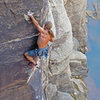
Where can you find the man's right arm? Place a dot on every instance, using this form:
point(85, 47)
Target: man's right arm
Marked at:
point(41, 30)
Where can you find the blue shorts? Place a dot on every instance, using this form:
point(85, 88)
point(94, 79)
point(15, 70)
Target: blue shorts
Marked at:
point(39, 52)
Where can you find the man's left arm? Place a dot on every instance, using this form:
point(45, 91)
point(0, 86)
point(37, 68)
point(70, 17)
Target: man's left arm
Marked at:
point(37, 24)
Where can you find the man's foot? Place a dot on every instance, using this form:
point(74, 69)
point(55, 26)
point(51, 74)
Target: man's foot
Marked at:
point(32, 64)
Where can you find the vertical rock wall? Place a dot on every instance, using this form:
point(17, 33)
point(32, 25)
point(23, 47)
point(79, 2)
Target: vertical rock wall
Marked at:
point(57, 81)
point(76, 10)
point(16, 37)
point(64, 73)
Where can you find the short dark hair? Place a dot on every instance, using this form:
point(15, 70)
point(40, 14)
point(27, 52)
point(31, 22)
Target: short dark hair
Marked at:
point(48, 25)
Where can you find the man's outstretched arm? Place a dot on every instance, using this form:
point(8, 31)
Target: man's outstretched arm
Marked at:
point(37, 24)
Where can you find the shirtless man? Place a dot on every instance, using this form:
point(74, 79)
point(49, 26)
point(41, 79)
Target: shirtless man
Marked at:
point(46, 35)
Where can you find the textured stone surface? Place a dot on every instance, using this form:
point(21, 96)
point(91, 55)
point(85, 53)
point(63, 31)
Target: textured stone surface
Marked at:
point(18, 90)
point(63, 44)
point(76, 10)
point(76, 44)
point(50, 91)
point(63, 96)
point(76, 55)
point(56, 73)
point(16, 37)
point(80, 84)
point(62, 81)
point(77, 70)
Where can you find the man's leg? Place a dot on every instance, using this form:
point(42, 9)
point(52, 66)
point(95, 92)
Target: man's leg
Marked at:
point(36, 59)
point(29, 58)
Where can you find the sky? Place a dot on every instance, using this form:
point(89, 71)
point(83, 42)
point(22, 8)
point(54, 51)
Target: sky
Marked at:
point(94, 91)
point(93, 56)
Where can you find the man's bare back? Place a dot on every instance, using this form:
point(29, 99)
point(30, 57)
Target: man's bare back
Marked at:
point(43, 40)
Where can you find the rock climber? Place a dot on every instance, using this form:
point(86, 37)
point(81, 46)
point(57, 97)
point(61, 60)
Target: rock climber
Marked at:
point(46, 35)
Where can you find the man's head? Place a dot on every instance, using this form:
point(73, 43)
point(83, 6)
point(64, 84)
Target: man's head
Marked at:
point(48, 25)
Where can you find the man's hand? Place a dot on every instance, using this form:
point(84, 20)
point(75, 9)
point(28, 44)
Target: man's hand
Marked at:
point(30, 13)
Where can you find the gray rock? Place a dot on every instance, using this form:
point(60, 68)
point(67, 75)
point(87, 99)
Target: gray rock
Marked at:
point(50, 91)
point(76, 55)
point(77, 69)
point(56, 67)
point(79, 95)
point(62, 81)
point(76, 44)
point(61, 50)
point(76, 10)
point(78, 63)
point(62, 23)
point(81, 85)
point(17, 37)
point(63, 44)
point(65, 1)
point(63, 96)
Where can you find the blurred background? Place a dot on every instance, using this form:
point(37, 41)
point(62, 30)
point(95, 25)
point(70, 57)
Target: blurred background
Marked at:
point(93, 55)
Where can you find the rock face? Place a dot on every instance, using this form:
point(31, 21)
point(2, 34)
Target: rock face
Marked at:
point(65, 69)
point(58, 82)
point(76, 10)
point(16, 37)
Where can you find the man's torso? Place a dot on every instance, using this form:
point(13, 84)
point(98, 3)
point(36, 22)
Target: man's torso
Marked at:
point(43, 40)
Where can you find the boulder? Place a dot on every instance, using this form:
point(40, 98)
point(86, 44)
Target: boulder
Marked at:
point(77, 69)
point(62, 82)
point(50, 91)
point(78, 64)
point(63, 96)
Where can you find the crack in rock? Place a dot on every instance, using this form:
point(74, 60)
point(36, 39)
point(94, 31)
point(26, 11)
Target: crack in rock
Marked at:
point(19, 39)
